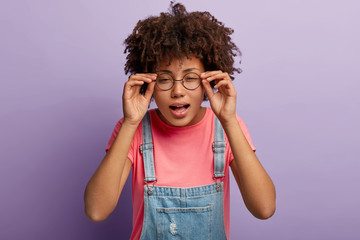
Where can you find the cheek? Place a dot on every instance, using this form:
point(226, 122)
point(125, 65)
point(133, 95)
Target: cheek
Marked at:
point(198, 97)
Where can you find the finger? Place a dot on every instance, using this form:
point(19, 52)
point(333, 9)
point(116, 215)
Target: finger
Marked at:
point(150, 75)
point(225, 83)
point(131, 88)
point(130, 84)
point(205, 75)
point(208, 90)
point(143, 77)
point(149, 91)
point(140, 78)
point(219, 76)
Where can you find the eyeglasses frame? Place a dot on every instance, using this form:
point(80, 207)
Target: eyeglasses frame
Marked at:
point(180, 80)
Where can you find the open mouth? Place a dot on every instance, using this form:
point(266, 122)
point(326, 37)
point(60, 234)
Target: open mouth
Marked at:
point(180, 108)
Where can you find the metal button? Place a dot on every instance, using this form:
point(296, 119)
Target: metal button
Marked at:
point(150, 191)
point(218, 187)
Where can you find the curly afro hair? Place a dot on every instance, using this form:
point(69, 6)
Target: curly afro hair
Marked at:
point(180, 33)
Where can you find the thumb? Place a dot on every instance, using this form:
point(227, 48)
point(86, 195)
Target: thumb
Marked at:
point(209, 91)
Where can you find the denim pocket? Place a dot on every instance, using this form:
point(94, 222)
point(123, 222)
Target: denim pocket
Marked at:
point(184, 223)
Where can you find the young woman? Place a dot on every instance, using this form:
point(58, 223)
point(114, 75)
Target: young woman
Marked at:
point(180, 153)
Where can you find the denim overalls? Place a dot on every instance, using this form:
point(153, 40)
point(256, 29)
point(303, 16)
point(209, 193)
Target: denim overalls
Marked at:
point(183, 213)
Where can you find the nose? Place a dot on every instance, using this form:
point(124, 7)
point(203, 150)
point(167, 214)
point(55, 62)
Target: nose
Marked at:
point(178, 89)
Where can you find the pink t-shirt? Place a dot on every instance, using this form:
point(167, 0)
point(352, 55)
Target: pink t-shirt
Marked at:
point(183, 157)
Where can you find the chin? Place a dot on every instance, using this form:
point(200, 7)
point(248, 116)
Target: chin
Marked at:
point(178, 122)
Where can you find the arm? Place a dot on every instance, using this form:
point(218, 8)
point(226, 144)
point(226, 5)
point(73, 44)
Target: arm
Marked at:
point(255, 185)
point(104, 188)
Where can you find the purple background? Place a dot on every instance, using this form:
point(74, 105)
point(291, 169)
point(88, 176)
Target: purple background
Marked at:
point(61, 71)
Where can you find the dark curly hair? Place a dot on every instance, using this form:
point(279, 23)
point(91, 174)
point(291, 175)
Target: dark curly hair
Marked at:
point(179, 33)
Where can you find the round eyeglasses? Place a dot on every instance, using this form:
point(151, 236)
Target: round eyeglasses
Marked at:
point(190, 81)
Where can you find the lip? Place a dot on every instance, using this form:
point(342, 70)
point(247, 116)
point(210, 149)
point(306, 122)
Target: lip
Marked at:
point(179, 103)
point(179, 114)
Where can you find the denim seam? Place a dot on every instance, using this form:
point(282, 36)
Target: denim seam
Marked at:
point(191, 197)
point(208, 208)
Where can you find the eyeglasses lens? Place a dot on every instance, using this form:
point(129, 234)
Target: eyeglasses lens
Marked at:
point(190, 81)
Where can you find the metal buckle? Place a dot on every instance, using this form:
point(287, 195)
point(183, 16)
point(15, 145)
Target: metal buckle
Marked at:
point(150, 190)
point(218, 145)
point(218, 185)
point(145, 146)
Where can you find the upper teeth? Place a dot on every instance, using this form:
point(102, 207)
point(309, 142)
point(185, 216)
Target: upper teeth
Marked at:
point(179, 106)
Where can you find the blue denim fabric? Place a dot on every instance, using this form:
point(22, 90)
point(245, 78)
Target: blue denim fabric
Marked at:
point(183, 213)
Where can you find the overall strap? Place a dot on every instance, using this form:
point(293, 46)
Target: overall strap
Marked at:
point(147, 150)
point(219, 149)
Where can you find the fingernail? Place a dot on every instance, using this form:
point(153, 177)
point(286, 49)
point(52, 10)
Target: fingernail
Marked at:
point(203, 74)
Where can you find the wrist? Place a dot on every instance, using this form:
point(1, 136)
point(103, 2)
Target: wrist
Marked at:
point(131, 124)
point(229, 123)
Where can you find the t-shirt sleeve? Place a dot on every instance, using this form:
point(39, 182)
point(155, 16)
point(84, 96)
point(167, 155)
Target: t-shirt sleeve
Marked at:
point(246, 134)
point(112, 139)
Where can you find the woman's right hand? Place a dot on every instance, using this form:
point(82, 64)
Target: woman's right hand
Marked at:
point(135, 105)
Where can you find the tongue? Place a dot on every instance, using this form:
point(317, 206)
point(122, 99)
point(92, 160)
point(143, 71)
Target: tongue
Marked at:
point(179, 109)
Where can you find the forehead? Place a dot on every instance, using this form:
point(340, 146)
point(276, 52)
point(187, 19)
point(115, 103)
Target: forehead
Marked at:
point(179, 65)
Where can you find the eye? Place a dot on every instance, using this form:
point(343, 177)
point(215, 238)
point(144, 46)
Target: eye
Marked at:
point(191, 77)
point(164, 78)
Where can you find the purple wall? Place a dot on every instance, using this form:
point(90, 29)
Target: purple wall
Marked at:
point(61, 72)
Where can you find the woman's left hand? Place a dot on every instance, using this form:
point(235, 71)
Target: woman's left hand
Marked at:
point(223, 101)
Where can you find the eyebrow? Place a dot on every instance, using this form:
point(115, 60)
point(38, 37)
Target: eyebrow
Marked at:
point(184, 71)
